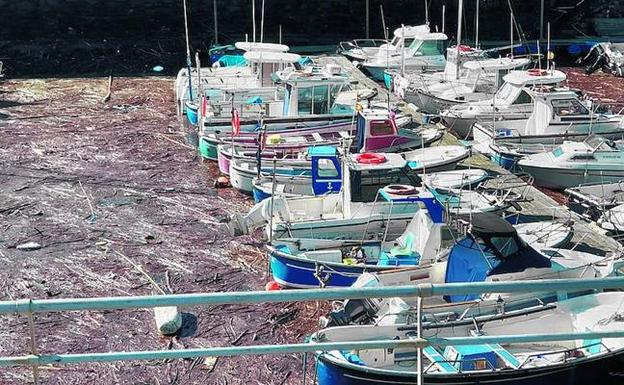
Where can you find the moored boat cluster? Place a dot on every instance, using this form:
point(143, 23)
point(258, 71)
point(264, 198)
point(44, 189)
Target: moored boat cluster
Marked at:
point(352, 190)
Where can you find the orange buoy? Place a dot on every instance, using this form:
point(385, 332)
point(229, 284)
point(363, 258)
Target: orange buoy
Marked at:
point(222, 181)
point(400, 189)
point(370, 158)
point(272, 286)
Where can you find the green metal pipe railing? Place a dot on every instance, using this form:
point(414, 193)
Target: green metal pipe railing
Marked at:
point(254, 297)
point(38, 360)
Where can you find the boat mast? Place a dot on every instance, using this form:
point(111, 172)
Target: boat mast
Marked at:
point(426, 13)
point(477, 26)
point(443, 18)
point(511, 33)
point(262, 24)
point(216, 29)
point(253, 16)
point(383, 22)
point(188, 51)
point(460, 11)
point(368, 19)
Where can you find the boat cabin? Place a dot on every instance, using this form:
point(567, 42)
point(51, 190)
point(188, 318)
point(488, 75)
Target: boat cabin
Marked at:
point(517, 86)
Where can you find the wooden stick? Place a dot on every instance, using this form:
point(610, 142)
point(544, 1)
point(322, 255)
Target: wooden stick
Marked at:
point(110, 84)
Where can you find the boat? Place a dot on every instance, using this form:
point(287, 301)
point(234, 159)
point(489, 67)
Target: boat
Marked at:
point(312, 98)
point(558, 115)
point(481, 80)
point(574, 362)
point(359, 50)
point(375, 130)
point(424, 53)
point(590, 200)
point(492, 249)
point(512, 101)
point(595, 160)
point(309, 263)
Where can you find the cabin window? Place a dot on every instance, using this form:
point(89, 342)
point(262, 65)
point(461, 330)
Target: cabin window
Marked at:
point(523, 98)
point(319, 100)
point(305, 100)
point(583, 157)
point(504, 92)
point(557, 152)
point(408, 42)
point(506, 246)
point(569, 107)
point(432, 47)
point(381, 128)
point(327, 168)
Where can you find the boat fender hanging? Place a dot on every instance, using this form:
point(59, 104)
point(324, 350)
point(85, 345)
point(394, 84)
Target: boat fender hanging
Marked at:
point(370, 158)
point(536, 72)
point(400, 189)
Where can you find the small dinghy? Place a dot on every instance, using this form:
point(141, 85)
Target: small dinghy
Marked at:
point(546, 234)
point(455, 179)
point(574, 362)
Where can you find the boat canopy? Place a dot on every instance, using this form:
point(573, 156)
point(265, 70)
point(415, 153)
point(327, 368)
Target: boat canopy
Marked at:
point(266, 47)
point(532, 77)
point(490, 65)
point(271, 57)
point(492, 248)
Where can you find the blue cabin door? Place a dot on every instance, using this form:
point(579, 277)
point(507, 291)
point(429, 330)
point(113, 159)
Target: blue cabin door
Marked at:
point(361, 133)
point(326, 175)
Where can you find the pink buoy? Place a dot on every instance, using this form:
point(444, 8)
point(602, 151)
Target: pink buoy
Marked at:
point(272, 286)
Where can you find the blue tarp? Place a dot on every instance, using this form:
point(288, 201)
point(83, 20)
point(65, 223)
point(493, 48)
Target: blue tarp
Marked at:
point(466, 263)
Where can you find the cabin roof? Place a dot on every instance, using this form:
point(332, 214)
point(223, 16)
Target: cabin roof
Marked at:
point(522, 78)
point(266, 47)
point(496, 64)
point(322, 151)
point(393, 161)
point(490, 224)
point(410, 31)
point(271, 57)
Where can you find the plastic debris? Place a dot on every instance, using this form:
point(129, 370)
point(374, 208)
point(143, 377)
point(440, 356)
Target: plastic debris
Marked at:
point(29, 246)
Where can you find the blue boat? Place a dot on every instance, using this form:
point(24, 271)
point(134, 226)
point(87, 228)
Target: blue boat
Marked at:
point(579, 362)
point(192, 115)
point(309, 263)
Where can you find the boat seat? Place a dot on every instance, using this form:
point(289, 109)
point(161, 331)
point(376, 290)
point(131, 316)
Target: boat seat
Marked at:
point(504, 354)
point(438, 360)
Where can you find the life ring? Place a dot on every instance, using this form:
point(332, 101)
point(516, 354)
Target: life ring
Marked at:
point(464, 48)
point(400, 189)
point(536, 72)
point(370, 158)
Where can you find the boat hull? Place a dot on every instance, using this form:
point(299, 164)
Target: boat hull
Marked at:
point(604, 370)
point(559, 179)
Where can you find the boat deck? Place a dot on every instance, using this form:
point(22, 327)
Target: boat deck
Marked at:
point(539, 204)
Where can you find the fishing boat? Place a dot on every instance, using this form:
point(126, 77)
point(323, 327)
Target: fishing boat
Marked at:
point(312, 98)
point(215, 81)
point(558, 115)
point(425, 53)
point(309, 263)
point(512, 101)
point(481, 80)
point(591, 200)
point(491, 250)
point(576, 362)
point(375, 130)
point(594, 160)
point(359, 50)
point(365, 179)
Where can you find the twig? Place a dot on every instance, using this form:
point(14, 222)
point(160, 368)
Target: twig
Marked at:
point(110, 84)
point(140, 269)
point(88, 200)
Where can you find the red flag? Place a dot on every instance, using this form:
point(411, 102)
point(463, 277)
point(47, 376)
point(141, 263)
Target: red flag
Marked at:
point(204, 105)
point(235, 122)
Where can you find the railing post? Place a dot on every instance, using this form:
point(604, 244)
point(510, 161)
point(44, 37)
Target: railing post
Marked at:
point(33, 342)
point(419, 372)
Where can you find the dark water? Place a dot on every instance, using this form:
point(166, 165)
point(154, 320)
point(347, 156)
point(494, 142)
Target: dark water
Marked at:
point(69, 37)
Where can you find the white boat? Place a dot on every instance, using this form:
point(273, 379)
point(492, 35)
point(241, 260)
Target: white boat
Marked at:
point(480, 80)
point(558, 115)
point(454, 179)
point(513, 101)
point(425, 53)
point(594, 160)
point(360, 50)
point(581, 361)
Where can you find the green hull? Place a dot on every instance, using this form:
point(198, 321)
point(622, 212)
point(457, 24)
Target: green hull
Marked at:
point(207, 150)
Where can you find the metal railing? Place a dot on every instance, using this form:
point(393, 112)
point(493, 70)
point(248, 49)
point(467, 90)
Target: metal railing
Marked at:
point(31, 307)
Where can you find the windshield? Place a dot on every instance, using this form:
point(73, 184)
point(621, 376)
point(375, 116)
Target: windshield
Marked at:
point(506, 246)
point(505, 92)
point(432, 47)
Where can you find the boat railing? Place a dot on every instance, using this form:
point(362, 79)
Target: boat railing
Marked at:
point(30, 308)
point(568, 354)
